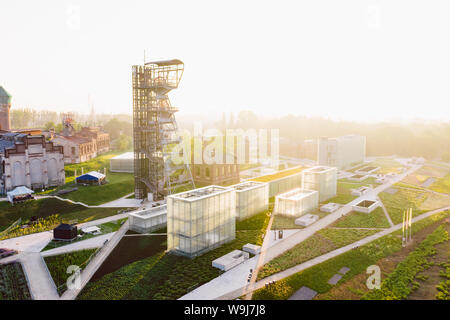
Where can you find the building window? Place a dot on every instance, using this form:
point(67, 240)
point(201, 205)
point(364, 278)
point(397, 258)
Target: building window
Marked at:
point(73, 150)
point(197, 171)
point(207, 172)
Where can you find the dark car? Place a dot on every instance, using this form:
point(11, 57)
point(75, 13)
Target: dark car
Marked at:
point(6, 252)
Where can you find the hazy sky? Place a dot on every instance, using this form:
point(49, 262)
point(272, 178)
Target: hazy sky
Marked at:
point(339, 59)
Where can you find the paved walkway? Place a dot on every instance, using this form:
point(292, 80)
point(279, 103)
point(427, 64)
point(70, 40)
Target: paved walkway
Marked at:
point(40, 283)
point(236, 278)
point(388, 217)
point(91, 243)
point(30, 243)
point(96, 262)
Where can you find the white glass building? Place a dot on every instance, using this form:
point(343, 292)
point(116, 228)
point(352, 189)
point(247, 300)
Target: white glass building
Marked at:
point(341, 152)
point(284, 184)
point(251, 198)
point(148, 220)
point(122, 163)
point(296, 202)
point(201, 219)
point(322, 179)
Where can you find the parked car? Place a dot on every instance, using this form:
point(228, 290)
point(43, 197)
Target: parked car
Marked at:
point(6, 252)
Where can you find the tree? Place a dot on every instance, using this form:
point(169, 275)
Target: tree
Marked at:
point(122, 143)
point(116, 127)
point(49, 125)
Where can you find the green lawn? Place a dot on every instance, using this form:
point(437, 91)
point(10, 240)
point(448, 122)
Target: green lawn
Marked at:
point(386, 165)
point(357, 260)
point(323, 241)
point(57, 265)
point(119, 184)
point(167, 276)
point(13, 284)
point(283, 222)
point(278, 175)
point(105, 228)
point(403, 199)
point(442, 185)
point(45, 208)
point(375, 219)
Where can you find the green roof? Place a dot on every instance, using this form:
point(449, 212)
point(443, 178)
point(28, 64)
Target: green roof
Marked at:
point(5, 97)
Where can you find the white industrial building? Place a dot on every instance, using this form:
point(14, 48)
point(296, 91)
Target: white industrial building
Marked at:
point(200, 220)
point(147, 220)
point(366, 206)
point(306, 220)
point(296, 202)
point(322, 179)
point(341, 152)
point(122, 163)
point(230, 260)
point(284, 184)
point(29, 161)
point(251, 198)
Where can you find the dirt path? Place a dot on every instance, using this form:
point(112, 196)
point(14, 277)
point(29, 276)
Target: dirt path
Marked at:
point(354, 288)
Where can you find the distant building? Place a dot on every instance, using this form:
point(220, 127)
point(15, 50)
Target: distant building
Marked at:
point(214, 173)
point(308, 149)
point(342, 152)
point(29, 161)
point(217, 174)
point(83, 145)
point(5, 106)
point(322, 179)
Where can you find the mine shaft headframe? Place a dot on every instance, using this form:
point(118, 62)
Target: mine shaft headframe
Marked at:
point(166, 72)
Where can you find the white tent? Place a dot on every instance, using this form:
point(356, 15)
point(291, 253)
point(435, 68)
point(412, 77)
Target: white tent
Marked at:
point(18, 191)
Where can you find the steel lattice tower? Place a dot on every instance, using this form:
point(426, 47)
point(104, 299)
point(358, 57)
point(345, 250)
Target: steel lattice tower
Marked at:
point(155, 128)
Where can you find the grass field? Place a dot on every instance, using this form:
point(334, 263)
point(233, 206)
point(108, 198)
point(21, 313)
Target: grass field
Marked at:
point(160, 275)
point(387, 166)
point(442, 185)
point(283, 222)
point(440, 174)
point(278, 175)
point(57, 265)
point(44, 208)
point(119, 184)
point(400, 283)
point(13, 284)
point(323, 241)
point(420, 201)
point(105, 228)
point(375, 219)
point(357, 260)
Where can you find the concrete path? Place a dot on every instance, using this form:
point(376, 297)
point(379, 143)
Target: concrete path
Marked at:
point(30, 243)
point(122, 203)
point(103, 220)
point(40, 282)
point(96, 262)
point(236, 278)
point(91, 243)
point(322, 258)
point(388, 217)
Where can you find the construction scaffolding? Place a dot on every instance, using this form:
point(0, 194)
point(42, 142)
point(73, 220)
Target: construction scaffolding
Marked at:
point(155, 130)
